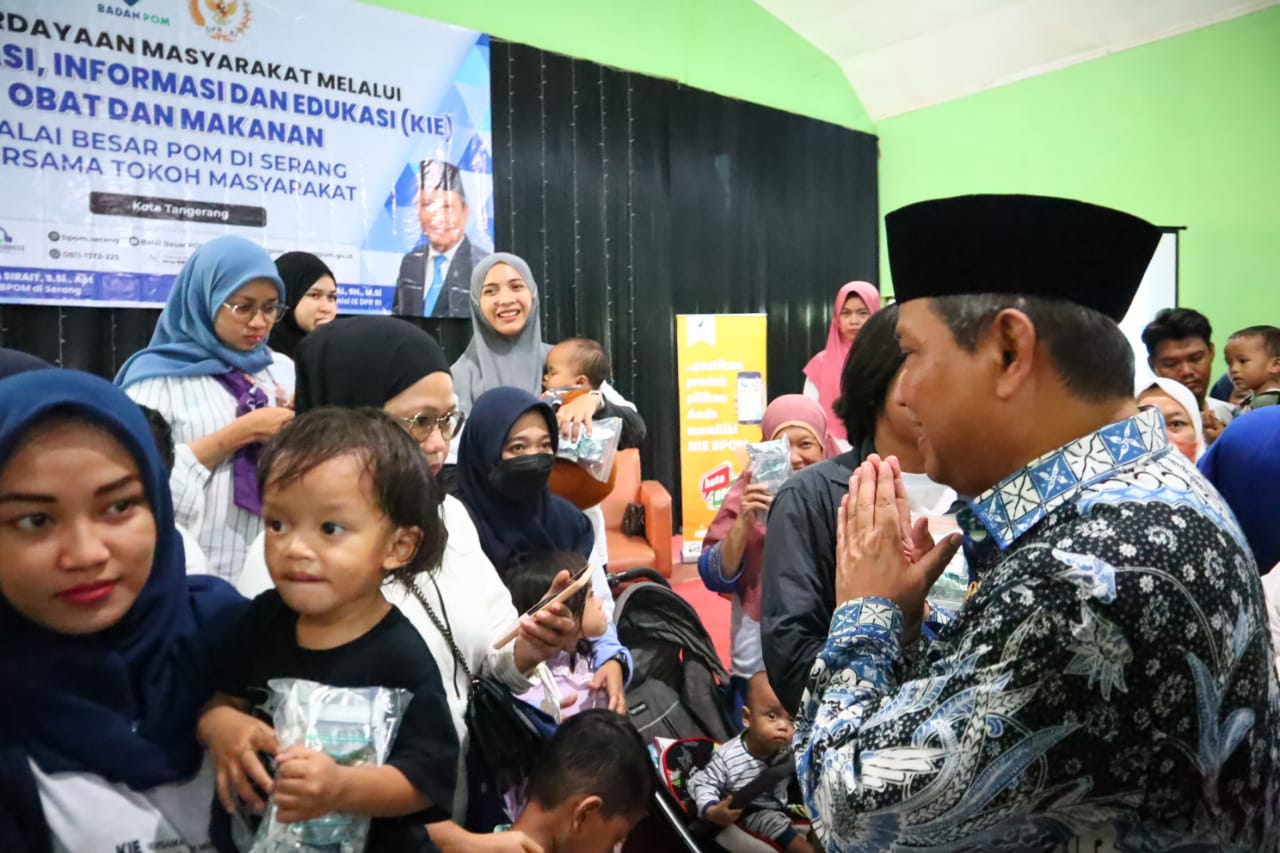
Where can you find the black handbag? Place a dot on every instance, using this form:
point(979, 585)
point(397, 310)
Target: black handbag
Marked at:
point(633, 520)
point(507, 734)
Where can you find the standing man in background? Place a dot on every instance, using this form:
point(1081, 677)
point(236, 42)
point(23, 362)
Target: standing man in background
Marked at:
point(1179, 345)
point(435, 278)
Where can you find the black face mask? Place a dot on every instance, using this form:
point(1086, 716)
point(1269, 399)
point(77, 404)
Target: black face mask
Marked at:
point(521, 478)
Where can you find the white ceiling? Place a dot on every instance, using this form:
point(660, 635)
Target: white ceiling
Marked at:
point(902, 55)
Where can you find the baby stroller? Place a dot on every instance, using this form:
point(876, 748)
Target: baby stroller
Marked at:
point(679, 702)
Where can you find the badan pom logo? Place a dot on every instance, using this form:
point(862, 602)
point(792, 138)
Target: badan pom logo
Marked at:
point(222, 20)
point(715, 485)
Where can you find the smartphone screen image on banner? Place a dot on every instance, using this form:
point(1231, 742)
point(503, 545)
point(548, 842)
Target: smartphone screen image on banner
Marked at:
point(750, 397)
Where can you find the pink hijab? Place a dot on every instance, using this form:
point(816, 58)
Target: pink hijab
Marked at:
point(786, 411)
point(824, 369)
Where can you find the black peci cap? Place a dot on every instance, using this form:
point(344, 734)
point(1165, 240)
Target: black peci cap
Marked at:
point(440, 175)
point(1056, 248)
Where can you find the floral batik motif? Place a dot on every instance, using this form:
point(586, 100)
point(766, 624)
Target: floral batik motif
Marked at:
point(1108, 685)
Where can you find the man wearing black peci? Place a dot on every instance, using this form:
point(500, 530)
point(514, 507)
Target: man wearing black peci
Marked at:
point(435, 278)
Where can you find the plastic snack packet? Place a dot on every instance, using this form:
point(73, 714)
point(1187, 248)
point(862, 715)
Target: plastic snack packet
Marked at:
point(770, 462)
point(353, 725)
point(596, 452)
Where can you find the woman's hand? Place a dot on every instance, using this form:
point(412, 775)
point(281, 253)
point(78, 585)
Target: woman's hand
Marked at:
point(261, 424)
point(546, 633)
point(576, 414)
point(234, 740)
point(609, 678)
point(756, 500)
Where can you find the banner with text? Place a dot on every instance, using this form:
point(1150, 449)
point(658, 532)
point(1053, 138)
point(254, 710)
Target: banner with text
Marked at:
point(720, 360)
point(133, 131)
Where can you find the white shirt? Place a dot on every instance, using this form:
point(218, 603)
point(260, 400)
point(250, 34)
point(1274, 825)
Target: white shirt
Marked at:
point(476, 605)
point(203, 500)
point(88, 814)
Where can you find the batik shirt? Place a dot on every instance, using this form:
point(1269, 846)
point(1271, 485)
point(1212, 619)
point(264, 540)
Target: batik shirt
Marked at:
point(1107, 685)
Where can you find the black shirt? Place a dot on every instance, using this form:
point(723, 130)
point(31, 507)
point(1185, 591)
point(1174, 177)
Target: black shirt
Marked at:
point(392, 654)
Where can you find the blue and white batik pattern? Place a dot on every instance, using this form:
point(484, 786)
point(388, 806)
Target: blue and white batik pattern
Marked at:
point(1108, 685)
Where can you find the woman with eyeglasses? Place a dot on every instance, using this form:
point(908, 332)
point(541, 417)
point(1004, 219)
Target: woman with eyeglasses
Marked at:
point(312, 294)
point(209, 371)
point(464, 609)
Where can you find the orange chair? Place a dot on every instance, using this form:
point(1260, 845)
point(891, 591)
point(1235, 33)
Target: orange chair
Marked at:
point(630, 552)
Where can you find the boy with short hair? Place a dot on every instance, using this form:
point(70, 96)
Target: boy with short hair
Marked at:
point(591, 787)
point(581, 363)
point(1253, 362)
point(765, 740)
point(349, 504)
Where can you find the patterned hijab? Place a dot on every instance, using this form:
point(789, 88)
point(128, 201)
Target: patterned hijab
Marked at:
point(824, 369)
point(184, 342)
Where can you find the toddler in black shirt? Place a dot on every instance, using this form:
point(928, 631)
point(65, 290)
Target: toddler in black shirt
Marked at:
point(348, 504)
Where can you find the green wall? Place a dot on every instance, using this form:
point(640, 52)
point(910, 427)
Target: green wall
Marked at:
point(1184, 131)
point(731, 47)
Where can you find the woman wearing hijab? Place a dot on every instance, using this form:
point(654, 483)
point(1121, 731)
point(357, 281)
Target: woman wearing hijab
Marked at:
point(1244, 466)
point(504, 462)
point(1181, 414)
point(733, 550)
point(855, 303)
point(106, 639)
point(311, 292)
point(464, 608)
point(13, 362)
point(209, 372)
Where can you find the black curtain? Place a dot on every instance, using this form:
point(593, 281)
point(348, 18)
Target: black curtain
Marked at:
point(633, 199)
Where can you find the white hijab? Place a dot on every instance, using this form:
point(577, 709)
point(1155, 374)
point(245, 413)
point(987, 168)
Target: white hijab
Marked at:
point(1184, 398)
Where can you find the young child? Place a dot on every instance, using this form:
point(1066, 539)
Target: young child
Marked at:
point(349, 504)
point(578, 363)
point(1253, 362)
point(765, 739)
point(563, 684)
point(591, 787)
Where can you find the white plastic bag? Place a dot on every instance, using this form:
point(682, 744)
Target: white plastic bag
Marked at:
point(596, 452)
point(770, 463)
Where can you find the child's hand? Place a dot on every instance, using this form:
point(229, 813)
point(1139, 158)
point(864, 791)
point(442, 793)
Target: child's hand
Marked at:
point(575, 415)
point(609, 678)
point(722, 814)
point(308, 785)
point(234, 740)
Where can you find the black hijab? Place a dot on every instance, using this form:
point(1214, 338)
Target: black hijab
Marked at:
point(509, 527)
point(298, 271)
point(364, 361)
point(14, 361)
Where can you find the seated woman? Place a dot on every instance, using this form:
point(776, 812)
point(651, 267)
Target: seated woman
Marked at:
point(733, 549)
point(798, 596)
point(209, 372)
point(504, 462)
point(462, 609)
point(106, 639)
point(1181, 415)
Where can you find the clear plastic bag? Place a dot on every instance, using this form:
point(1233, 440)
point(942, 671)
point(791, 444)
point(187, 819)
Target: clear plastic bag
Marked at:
point(597, 452)
point(770, 463)
point(353, 725)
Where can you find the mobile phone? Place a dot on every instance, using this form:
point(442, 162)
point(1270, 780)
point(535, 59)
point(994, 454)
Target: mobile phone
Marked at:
point(750, 397)
point(580, 578)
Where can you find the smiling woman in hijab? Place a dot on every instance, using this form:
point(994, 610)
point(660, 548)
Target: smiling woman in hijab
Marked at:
point(464, 608)
point(733, 549)
point(106, 639)
point(504, 462)
point(209, 372)
point(311, 292)
point(855, 303)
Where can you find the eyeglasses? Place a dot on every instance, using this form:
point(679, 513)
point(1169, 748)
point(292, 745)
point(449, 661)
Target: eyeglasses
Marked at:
point(421, 425)
point(244, 313)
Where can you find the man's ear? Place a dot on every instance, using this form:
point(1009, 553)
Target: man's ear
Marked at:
point(588, 807)
point(404, 545)
point(1014, 337)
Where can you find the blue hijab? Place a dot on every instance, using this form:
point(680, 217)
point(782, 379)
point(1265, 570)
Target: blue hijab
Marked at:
point(1244, 465)
point(184, 343)
point(509, 528)
point(122, 703)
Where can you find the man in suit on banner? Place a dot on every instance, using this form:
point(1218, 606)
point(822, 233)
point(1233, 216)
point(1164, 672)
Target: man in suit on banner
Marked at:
point(435, 278)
